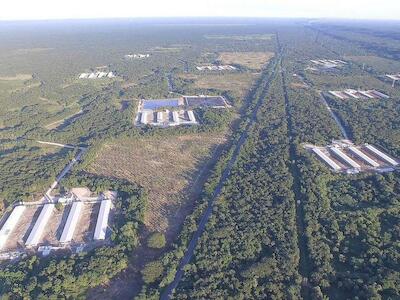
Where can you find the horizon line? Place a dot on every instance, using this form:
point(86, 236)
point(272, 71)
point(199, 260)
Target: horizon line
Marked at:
point(198, 17)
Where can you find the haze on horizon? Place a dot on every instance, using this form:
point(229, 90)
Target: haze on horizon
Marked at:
point(88, 9)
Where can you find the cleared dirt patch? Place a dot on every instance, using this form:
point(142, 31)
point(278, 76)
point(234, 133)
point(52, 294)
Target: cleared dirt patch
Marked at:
point(55, 226)
point(23, 228)
point(21, 77)
point(32, 50)
point(167, 167)
point(87, 222)
point(252, 60)
point(298, 85)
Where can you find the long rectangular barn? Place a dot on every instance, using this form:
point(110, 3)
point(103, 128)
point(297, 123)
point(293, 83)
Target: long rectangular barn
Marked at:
point(37, 231)
point(10, 224)
point(102, 220)
point(72, 221)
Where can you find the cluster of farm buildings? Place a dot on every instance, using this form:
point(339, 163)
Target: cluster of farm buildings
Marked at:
point(46, 226)
point(344, 156)
point(358, 94)
point(328, 63)
point(216, 68)
point(97, 75)
point(393, 76)
point(175, 111)
point(134, 56)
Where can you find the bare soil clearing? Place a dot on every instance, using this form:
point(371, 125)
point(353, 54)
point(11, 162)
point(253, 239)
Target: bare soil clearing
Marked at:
point(167, 167)
point(19, 77)
point(252, 60)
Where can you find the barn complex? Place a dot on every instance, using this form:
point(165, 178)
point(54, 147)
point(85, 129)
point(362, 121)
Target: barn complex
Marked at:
point(358, 94)
point(344, 156)
point(216, 68)
point(328, 63)
point(393, 76)
point(80, 223)
point(175, 111)
point(96, 75)
point(136, 56)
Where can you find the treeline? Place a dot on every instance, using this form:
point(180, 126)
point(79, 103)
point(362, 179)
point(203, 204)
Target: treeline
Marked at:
point(70, 276)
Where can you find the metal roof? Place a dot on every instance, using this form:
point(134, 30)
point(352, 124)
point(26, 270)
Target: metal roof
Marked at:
point(102, 220)
point(72, 221)
point(38, 228)
point(10, 224)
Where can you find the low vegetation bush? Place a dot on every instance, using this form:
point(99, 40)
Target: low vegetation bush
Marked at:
point(156, 240)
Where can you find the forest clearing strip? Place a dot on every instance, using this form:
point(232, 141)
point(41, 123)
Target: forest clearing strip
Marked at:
point(304, 264)
point(237, 147)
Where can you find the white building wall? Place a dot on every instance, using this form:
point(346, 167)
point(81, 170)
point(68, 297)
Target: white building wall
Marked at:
point(345, 157)
point(10, 224)
point(160, 117)
point(102, 220)
point(37, 231)
point(327, 159)
point(143, 119)
point(175, 117)
point(382, 155)
point(72, 221)
point(336, 94)
point(191, 116)
point(363, 156)
point(379, 94)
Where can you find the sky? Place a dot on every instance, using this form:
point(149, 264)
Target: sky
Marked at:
point(87, 9)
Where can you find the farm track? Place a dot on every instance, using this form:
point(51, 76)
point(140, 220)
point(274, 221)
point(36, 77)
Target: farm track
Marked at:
point(304, 263)
point(237, 147)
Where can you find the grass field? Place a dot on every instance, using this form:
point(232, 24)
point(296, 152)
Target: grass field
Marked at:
point(168, 168)
point(251, 60)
